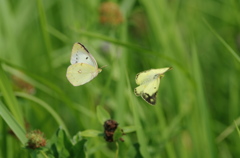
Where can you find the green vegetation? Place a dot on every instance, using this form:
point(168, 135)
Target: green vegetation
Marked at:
point(197, 114)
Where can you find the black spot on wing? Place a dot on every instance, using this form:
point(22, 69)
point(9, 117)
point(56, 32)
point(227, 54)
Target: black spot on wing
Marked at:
point(76, 58)
point(135, 92)
point(137, 76)
point(150, 99)
point(86, 57)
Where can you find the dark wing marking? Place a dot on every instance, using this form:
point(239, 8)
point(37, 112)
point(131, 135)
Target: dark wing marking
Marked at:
point(150, 99)
point(83, 47)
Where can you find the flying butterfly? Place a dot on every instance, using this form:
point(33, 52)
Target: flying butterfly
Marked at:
point(83, 66)
point(149, 82)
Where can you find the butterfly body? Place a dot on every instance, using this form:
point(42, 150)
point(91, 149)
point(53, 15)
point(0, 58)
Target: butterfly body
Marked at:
point(83, 66)
point(149, 82)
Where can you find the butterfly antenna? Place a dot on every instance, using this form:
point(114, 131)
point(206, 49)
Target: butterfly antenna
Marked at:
point(103, 66)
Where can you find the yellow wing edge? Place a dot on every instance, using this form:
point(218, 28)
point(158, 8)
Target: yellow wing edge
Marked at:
point(167, 69)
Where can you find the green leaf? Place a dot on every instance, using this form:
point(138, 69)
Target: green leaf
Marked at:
point(40, 153)
point(78, 149)
point(76, 138)
point(102, 114)
point(117, 134)
point(91, 133)
point(61, 145)
point(137, 148)
point(129, 129)
point(35, 154)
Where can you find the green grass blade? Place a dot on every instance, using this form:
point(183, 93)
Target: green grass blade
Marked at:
point(46, 107)
point(141, 49)
point(236, 126)
point(57, 34)
point(10, 99)
point(201, 120)
point(234, 54)
point(129, 45)
point(112, 40)
point(228, 131)
point(47, 41)
point(137, 122)
point(12, 123)
point(37, 81)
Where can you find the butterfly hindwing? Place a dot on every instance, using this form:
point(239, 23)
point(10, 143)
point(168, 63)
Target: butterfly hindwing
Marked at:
point(148, 91)
point(80, 73)
point(138, 90)
point(150, 99)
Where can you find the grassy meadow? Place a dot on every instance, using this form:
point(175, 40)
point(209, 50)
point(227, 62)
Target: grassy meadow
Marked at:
point(197, 114)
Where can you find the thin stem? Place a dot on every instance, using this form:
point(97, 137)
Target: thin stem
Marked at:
point(117, 149)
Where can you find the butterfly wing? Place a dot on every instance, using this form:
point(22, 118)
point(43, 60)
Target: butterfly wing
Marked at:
point(139, 90)
point(148, 91)
point(149, 82)
point(81, 73)
point(149, 75)
point(81, 55)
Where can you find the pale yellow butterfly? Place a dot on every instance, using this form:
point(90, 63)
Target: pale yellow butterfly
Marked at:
point(83, 66)
point(149, 82)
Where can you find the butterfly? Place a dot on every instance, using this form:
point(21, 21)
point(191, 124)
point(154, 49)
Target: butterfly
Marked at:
point(149, 82)
point(83, 66)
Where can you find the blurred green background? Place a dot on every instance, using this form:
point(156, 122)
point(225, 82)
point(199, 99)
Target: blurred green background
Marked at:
point(198, 106)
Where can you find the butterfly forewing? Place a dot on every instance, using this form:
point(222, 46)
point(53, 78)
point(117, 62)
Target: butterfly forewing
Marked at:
point(81, 55)
point(149, 75)
point(81, 73)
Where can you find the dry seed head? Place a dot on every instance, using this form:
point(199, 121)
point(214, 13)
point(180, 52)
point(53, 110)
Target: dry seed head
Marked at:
point(110, 14)
point(35, 139)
